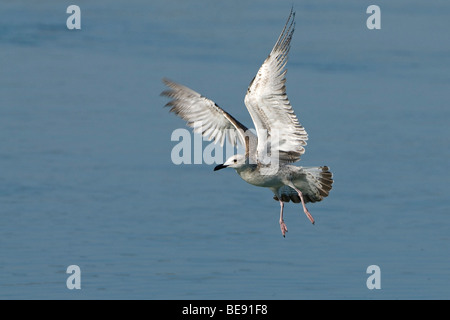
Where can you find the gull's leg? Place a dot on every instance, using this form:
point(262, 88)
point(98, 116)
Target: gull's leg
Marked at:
point(282, 224)
point(310, 217)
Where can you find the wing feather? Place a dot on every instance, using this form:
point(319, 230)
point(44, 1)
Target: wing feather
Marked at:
point(269, 106)
point(204, 115)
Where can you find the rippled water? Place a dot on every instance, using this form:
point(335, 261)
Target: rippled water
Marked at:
point(86, 176)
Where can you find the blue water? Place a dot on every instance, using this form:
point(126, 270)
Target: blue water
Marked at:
point(86, 176)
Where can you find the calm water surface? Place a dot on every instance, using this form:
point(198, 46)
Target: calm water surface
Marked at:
point(86, 176)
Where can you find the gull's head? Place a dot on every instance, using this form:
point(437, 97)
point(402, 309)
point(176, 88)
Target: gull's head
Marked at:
point(237, 161)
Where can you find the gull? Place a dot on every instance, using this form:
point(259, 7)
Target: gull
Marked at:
point(279, 140)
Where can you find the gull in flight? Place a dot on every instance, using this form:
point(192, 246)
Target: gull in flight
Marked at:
point(279, 140)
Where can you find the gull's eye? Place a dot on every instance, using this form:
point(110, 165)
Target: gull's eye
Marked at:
point(235, 160)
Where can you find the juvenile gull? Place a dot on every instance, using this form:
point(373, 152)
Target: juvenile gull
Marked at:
point(280, 138)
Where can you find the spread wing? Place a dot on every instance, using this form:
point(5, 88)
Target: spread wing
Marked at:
point(269, 106)
point(205, 116)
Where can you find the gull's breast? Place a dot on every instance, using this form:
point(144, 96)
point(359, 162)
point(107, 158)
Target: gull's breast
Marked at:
point(260, 178)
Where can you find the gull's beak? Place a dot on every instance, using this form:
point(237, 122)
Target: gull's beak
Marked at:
point(220, 166)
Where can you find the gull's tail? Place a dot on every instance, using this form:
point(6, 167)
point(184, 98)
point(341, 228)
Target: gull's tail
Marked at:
point(322, 180)
point(315, 184)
